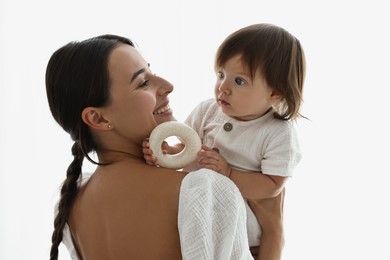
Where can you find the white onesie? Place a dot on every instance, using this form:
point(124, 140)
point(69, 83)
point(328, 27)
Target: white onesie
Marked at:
point(265, 144)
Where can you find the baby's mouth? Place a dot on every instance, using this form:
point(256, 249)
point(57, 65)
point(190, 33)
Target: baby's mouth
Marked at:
point(223, 102)
point(161, 110)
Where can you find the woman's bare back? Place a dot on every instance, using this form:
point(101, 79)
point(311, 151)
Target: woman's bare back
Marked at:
point(128, 214)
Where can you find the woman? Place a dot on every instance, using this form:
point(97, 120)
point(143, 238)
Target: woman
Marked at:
point(102, 92)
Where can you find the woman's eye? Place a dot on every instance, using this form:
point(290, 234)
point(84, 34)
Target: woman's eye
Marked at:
point(145, 83)
point(239, 81)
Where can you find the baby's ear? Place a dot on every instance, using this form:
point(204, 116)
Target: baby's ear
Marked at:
point(275, 96)
point(93, 117)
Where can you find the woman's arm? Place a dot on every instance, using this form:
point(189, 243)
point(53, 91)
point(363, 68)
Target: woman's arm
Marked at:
point(269, 213)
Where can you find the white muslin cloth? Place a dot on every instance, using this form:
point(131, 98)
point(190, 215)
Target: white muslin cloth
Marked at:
point(212, 218)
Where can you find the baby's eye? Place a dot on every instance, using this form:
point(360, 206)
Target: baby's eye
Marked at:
point(220, 75)
point(239, 81)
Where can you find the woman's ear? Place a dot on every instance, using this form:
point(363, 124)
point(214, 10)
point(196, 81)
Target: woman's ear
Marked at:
point(93, 117)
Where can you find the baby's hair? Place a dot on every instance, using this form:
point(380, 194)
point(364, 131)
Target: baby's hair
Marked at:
point(77, 77)
point(275, 54)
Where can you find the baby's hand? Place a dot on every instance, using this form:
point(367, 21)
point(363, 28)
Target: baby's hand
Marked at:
point(148, 153)
point(211, 159)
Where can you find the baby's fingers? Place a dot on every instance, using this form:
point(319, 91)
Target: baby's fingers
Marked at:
point(148, 153)
point(164, 147)
point(150, 159)
point(145, 143)
point(209, 154)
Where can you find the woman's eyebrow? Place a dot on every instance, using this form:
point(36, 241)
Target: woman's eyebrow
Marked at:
point(136, 74)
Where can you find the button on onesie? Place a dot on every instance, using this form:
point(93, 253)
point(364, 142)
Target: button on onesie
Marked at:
point(228, 127)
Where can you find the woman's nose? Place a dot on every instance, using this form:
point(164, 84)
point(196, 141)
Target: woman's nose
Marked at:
point(164, 86)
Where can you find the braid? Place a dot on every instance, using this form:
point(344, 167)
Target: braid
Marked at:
point(68, 194)
point(77, 77)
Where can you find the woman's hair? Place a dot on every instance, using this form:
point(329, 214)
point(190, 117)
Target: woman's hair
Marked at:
point(275, 54)
point(77, 77)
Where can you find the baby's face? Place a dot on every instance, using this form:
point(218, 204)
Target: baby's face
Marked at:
point(240, 96)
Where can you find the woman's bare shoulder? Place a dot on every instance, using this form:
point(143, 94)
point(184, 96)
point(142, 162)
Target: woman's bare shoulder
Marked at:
point(127, 180)
point(140, 204)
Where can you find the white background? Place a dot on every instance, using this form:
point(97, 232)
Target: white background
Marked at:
point(337, 203)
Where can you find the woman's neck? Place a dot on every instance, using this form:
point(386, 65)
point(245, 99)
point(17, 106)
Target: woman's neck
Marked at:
point(114, 156)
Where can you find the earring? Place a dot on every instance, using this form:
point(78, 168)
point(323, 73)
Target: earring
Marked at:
point(109, 126)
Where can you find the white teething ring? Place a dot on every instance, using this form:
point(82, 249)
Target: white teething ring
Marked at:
point(189, 137)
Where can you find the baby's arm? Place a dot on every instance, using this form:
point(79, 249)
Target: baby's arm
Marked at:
point(252, 186)
point(258, 186)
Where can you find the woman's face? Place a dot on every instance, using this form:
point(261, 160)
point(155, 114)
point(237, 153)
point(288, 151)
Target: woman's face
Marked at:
point(139, 98)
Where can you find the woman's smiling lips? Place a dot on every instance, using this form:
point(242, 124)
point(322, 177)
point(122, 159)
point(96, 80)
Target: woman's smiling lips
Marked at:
point(161, 110)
